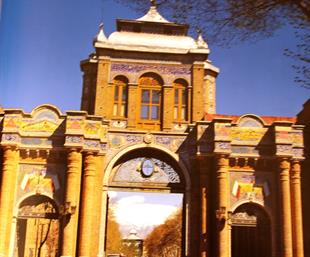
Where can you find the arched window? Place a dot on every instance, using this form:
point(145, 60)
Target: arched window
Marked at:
point(150, 86)
point(180, 100)
point(120, 96)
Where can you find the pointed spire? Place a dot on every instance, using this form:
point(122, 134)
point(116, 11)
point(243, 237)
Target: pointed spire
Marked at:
point(201, 43)
point(153, 15)
point(101, 36)
point(153, 3)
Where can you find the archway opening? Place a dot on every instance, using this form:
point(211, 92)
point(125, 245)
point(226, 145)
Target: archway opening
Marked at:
point(145, 214)
point(251, 232)
point(37, 232)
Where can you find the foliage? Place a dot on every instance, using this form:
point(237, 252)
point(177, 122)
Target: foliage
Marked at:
point(226, 22)
point(129, 250)
point(114, 237)
point(52, 240)
point(166, 239)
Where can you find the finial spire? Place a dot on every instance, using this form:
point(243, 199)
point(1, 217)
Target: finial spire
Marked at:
point(101, 36)
point(153, 15)
point(201, 43)
point(153, 3)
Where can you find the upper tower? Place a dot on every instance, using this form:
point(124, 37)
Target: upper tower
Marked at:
point(150, 74)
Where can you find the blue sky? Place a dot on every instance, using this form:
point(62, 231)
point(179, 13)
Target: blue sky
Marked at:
point(43, 41)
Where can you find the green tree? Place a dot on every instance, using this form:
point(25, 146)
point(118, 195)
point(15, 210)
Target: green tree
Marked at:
point(226, 22)
point(166, 239)
point(114, 237)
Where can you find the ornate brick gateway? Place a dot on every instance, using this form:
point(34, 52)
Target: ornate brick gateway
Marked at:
point(148, 123)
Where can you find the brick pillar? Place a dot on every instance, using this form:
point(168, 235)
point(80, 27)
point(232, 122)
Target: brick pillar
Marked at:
point(197, 92)
point(97, 208)
point(7, 189)
point(132, 105)
point(87, 204)
point(103, 91)
point(298, 246)
point(285, 211)
point(168, 103)
point(203, 208)
point(222, 163)
point(72, 196)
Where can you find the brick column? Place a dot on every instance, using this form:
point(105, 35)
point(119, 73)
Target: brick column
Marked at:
point(197, 93)
point(222, 163)
point(97, 207)
point(87, 204)
point(132, 105)
point(168, 103)
point(72, 196)
point(203, 208)
point(103, 91)
point(7, 189)
point(285, 210)
point(298, 246)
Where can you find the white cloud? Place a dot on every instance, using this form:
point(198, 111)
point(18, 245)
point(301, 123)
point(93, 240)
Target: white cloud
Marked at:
point(136, 212)
point(112, 194)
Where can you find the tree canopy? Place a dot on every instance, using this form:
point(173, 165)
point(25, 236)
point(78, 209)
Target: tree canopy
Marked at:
point(114, 237)
point(166, 239)
point(227, 22)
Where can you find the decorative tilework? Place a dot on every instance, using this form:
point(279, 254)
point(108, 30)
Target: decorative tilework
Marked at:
point(38, 126)
point(133, 139)
point(130, 172)
point(245, 150)
point(92, 128)
point(243, 135)
point(163, 140)
point(164, 69)
point(297, 138)
point(46, 115)
point(283, 137)
point(250, 122)
point(222, 131)
point(249, 186)
point(284, 149)
point(10, 138)
point(74, 123)
point(298, 152)
point(92, 143)
point(222, 147)
point(74, 139)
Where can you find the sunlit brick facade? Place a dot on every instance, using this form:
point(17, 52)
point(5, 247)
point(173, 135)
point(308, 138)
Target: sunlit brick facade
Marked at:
point(149, 95)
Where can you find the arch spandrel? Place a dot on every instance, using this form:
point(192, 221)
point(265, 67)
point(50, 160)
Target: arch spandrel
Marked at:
point(169, 170)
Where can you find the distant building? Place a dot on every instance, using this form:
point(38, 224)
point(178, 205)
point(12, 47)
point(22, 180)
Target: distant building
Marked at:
point(148, 123)
point(133, 244)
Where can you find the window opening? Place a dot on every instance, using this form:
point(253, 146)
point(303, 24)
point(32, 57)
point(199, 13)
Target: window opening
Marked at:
point(120, 97)
point(180, 101)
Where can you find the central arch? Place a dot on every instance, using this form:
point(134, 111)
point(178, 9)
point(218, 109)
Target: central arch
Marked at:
point(170, 176)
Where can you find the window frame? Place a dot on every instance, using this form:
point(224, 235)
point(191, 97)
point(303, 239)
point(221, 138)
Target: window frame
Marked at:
point(180, 87)
point(151, 88)
point(120, 102)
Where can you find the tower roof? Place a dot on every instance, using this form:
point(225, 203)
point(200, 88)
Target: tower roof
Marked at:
point(151, 33)
point(153, 15)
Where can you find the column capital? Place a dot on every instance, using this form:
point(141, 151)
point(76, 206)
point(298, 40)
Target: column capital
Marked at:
point(284, 164)
point(9, 147)
point(296, 167)
point(74, 149)
point(222, 160)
